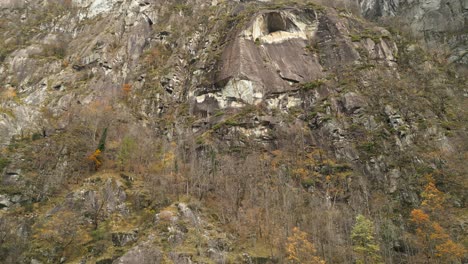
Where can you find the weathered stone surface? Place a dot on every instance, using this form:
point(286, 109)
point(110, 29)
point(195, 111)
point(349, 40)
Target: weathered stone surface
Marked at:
point(12, 4)
point(287, 78)
point(353, 103)
point(187, 213)
point(145, 253)
point(393, 176)
point(438, 22)
point(335, 49)
point(379, 8)
point(278, 49)
point(182, 258)
point(11, 177)
point(35, 261)
point(4, 201)
point(268, 56)
point(121, 239)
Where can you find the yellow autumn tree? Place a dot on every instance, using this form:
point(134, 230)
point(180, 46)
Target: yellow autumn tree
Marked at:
point(422, 223)
point(95, 158)
point(433, 199)
point(434, 241)
point(300, 250)
point(432, 238)
point(450, 251)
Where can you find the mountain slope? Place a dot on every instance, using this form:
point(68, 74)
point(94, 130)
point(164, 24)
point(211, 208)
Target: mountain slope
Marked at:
point(212, 131)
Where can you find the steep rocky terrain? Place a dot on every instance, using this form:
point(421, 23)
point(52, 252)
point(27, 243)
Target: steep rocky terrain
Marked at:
point(204, 131)
point(441, 24)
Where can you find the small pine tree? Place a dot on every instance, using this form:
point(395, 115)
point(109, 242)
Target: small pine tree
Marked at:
point(364, 244)
point(102, 141)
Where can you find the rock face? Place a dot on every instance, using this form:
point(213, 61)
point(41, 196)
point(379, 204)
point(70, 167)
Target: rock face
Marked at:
point(267, 56)
point(277, 50)
point(12, 4)
point(205, 131)
point(4, 201)
point(122, 239)
point(144, 254)
point(438, 22)
point(379, 8)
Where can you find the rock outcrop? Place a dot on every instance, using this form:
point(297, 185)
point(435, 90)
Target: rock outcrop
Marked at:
point(144, 254)
point(437, 22)
point(206, 131)
point(268, 56)
point(277, 50)
point(379, 8)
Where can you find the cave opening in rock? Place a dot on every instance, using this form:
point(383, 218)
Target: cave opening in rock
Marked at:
point(275, 22)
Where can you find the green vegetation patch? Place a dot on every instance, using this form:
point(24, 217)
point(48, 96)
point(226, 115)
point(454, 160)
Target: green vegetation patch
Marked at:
point(367, 34)
point(312, 85)
point(368, 147)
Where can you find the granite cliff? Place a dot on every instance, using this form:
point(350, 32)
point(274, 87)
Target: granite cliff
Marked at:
point(232, 131)
point(440, 24)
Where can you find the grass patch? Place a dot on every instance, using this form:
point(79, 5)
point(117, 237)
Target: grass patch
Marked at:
point(369, 148)
point(312, 85)
point(4, 162)
point(366, 34)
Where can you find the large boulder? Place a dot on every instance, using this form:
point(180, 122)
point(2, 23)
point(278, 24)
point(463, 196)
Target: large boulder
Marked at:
point(146, 253)
point(271, 54)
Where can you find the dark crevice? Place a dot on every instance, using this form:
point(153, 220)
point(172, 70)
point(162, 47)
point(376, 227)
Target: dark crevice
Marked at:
point(150, 22)
point(289, 80)
point(276, 22)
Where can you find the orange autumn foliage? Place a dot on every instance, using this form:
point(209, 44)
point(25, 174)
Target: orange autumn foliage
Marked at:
point(96, 159)
point(433, 198)
point(419, 217)
point(300, 250)
point(9, 93)
point(438, 233)
point(450, 251)
point(126, 88)
point(433, 239)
